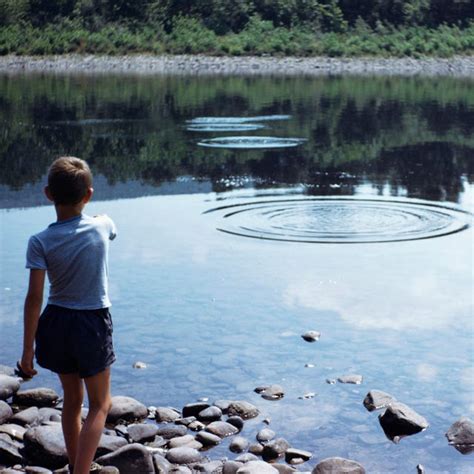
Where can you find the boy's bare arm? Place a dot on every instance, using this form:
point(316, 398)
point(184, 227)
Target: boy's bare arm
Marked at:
point(32, 311)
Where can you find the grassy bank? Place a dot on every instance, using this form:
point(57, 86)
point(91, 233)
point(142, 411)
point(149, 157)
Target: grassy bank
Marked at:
point(259, 37)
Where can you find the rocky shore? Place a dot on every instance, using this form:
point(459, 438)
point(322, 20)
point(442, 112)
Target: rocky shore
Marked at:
point(160, 440)
point(458, 66)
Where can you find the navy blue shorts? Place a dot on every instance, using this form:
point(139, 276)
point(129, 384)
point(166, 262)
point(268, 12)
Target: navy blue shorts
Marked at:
point(75, 341)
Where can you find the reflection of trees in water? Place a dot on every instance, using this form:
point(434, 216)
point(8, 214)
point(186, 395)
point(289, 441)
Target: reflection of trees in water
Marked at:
point(412, 134)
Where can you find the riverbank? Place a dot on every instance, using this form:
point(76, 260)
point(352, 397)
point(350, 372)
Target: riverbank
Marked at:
point(457, 66)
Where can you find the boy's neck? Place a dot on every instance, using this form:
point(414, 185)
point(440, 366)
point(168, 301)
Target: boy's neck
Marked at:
point(64, 212)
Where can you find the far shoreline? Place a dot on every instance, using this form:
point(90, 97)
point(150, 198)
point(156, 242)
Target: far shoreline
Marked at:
point(202, 65)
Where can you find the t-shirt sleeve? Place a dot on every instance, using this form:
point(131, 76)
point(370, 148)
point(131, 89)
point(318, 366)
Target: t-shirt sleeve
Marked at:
point(112, 228)
point(35, 258)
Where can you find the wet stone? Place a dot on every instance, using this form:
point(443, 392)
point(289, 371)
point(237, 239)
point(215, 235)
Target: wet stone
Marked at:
point(239, 444)
point(166, 415)
point(5, 412)
point(208, 439)
point(284, 468)
point(142, 432)
point(243, 409)
point(231, 467)
point(9, 453)
point(256, 448)
point(221, 429)
point(246, 457)
point(210, 467)
point(49, 414)
point(272, 392)
point(180, 470)
point(210, 414)
point(13, 430)
point(311, 336)
point(461, 435)
point(129, 459)
point(30, 417)
point(162, 465)
point(183, 455)
point(376, 399)
point(293, 453)
point(196, 425)
point(331, 381)
point(352, 378)
point(8, 386)
point(37, 470)
point(37, 397)
point(44, 445)
point(193, 409)
point(265, 435)
point(257, 467)
point(109, 444)
point(236, 421)
point(127, 409)
point(180, 441)
point(185, 421)
point(171, 431)
point(158, 442)
point(338, 465)
point(275, 449)
point(399, 420)
point(223, 405)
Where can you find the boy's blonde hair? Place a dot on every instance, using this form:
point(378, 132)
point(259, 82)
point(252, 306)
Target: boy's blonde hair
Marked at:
point(69, 178)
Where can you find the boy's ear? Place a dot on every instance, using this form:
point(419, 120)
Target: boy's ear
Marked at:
point(87, 197)
point(47, 193)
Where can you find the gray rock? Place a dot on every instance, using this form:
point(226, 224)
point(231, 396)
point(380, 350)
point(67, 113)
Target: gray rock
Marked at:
point(231, 467)
point(209, 414)
point(272, 392)
point(109, 470)
point(181, 441)
point(338, 466)
point(352, 378)
point(311, 336)
point(196, 425)
point(239, 444)
point(44, 445)
point(109, 444)
point(221, 429)
point(13, 430)
point(5, 412)
point(29, 417)
point(133, 458)
point(171, 431)
point(243, 409)
point(122, 431)
point(377, 399)
point(8, 386)
point(49, 414)
point(37, 470)
point(256, 448)
point(399, 420)
point(183, 455)
point(9, 453)
point(141, 432)
point(461, 435)
point(166, 414)
point(180, 470)
point(257, 467)
point(36, 397)
point(265, 435)
point(208, 439)
point(185, 421)
point(292, 453)
point(223, 405)
point(126, 408)
point(158, 442)
point(193, 409)
point(7, 370)
point(162, 465)
point(236, 421)
point(246, 457)
point(284, 468)
point(275, 449)
point(210, 467)
point(331, 381)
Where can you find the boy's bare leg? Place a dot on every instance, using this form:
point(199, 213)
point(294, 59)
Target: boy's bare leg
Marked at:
point(98, 391)
point(71, 416)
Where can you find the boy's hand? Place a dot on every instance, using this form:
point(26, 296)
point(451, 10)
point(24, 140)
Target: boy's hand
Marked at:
point(26, 364)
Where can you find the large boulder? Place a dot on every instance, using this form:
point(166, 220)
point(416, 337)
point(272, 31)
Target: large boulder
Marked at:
point(36, 397)
point(5, 412)
point(243, 409)
point(399, 420)
point(126, 408)
point(44, 445)
point(133, 458)
point(338, 466)
point(461, 435)
point(8, 386)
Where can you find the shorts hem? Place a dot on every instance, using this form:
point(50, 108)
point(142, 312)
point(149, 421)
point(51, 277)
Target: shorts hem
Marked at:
point(98, 370)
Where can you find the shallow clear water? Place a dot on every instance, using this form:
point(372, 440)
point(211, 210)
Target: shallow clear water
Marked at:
point(215, 314)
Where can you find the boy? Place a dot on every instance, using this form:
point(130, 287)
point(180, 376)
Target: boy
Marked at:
point(74, 333)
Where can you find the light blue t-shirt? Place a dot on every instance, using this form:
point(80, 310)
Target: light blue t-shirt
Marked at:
point(74, 252)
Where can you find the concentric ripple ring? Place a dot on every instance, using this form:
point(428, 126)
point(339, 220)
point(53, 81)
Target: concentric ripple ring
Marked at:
point(341, 220)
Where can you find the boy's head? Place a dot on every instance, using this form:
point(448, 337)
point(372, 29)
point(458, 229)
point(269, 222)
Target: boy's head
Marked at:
point(69, 181)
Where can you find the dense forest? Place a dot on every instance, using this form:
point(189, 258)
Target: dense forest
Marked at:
point(237, 27)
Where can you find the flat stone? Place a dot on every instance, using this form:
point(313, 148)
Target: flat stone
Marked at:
point(183, 455)
point(399, 420)
point(44, 445)
point(376, 399)
point(13, 430)
point(221, 429)
point(461, 435)
point(292, 453)
point(239, 444)
point(209, 414)
point(275, 449)
point(162, 465)
point(133, 458)
point(185, 421)
point(243, 409)
point(127, 409)
point(338, 465)
point(352, 378)
point(166, 414)
point(311, 336)
point(8, 386)
point(257, 467)
point(236, 421)
point(272, 392)
point(208, 439)
point(193, 409)
point(109, 444)
point(141, 432)
point(9, 453)
point(29, 417)
point(37, 397)
point(171, 431)
point(265, 435)
point(5, 412)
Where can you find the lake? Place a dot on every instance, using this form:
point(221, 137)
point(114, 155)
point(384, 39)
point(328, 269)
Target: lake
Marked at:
point(355, 222)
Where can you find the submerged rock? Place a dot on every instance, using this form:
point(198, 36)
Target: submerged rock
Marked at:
point(338, 465)
point(8, 386)
point(311, 336)
point(243, 409)
point(352, 378)
point(44, 445)
point(126, 408)
point(376, 399)
point(139, 365)
point(461, 435)
point(399, 420)
point(37, 397)
point(129, 459)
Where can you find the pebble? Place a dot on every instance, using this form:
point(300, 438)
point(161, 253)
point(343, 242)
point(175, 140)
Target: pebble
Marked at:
point(331, 381)
point(142, 432)
point(193, 409)
point(257, 467)
point(311, 336)
point(307, 396)
point(30, 417)
point(5, 412)
point(275, 449)
point(236, 421)
point(256, 448)
point(265, 435)
point(291, 454)
point(129, 459)
point(271, 392)
point(209, 414)
point(238, 444)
